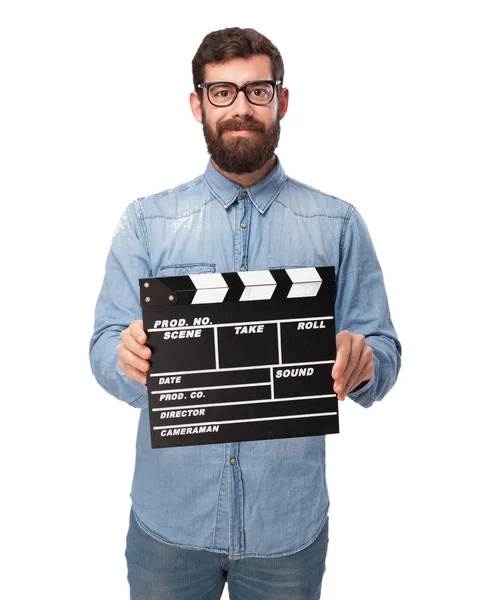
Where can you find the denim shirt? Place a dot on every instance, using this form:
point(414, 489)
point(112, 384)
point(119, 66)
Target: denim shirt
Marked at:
point(272, 500)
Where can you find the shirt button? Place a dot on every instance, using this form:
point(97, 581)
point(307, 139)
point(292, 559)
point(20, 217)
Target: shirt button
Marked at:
point(233, 461)
point(243, 193)
point(243, 226)
point(243, 268)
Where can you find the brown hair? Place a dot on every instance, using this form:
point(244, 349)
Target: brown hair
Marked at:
point(234, 42)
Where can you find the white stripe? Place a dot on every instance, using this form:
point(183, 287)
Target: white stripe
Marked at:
point(256, 278)
point(209, 296)
point(225, 369)
point(280, 352)
point(208, 280)
point(213, 387)
point(257, 292)
point(174, 407)
point(217, 356)
point(181, 425)
point(303, 275)
point(304, 290)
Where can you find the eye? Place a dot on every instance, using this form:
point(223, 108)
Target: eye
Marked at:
point(260, 92)
point(222, 91)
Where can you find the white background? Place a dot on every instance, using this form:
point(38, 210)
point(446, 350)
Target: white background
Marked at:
point(383, 113)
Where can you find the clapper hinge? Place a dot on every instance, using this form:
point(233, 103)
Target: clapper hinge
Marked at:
point(155, 293)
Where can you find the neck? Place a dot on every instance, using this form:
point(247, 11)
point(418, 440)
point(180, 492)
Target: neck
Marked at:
point(247, 179)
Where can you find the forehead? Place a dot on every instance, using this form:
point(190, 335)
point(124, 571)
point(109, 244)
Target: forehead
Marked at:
point(240, 70)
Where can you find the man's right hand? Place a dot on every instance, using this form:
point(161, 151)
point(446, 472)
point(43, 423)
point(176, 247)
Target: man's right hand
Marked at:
point(133, 353)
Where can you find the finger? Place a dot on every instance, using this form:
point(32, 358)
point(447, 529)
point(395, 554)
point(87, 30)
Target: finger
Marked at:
point(131, 372)
point(136, 330)
point(131, 343)
point(343, 349)
point(363, 370)
point(132, 359)
point(364, 375)
point(357, 344)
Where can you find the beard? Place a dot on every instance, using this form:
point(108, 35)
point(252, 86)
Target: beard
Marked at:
point(241, 154)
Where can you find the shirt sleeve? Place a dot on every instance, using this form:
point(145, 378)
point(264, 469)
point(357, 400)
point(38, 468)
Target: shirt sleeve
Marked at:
point(362, 307)
point(118, 305)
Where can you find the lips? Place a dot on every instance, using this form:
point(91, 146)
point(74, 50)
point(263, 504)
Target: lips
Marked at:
point(241, 130)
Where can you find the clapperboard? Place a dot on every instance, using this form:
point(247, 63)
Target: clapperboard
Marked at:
point(240, 356)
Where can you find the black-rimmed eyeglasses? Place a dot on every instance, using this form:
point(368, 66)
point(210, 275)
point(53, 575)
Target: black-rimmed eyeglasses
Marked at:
point(224, 93)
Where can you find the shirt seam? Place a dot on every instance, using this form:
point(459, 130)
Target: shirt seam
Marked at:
point(313, 189)
point(141, 218)
point(322, 215)
point(272, 198)
point(136, 402)
point(343, 232)
point(218, 196)
point(218, 500)
point(310, 188)
point(176, 217)
point(175, 190)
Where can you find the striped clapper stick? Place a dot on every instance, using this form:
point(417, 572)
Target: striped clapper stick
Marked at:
point(240, 356)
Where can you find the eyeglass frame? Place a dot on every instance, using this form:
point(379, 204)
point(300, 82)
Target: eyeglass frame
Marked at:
point(207, 85)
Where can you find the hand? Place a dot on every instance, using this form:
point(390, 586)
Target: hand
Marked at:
point(354, 363)
point(133, 353)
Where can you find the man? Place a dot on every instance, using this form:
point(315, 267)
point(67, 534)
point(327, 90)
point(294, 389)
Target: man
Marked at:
point(252, 513)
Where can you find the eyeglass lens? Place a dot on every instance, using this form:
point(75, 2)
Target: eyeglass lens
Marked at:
point(223, 93)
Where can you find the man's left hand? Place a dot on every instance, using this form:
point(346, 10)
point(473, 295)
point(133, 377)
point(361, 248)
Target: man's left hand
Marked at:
point(354, 363)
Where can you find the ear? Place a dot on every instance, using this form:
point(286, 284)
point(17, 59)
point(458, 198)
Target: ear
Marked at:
point(283, 102)
point(196, 106)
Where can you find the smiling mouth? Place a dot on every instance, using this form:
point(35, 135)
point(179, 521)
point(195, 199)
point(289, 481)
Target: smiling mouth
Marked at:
point(241, 130)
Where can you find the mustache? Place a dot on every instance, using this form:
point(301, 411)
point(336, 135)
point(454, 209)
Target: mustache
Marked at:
point(235, 125)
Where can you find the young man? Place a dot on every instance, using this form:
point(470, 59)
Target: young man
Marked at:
point(252, 513)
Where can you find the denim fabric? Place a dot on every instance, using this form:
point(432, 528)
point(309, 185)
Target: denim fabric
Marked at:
point(158, 571)
point(273, 500)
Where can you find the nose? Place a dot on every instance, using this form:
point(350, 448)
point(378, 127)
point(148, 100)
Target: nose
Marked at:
point(241, 107)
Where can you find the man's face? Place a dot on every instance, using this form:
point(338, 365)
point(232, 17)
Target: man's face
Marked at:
point(242, 137)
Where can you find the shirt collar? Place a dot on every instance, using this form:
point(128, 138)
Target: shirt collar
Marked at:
point(261, 194)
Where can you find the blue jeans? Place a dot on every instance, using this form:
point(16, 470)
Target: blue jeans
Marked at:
point(158, 571)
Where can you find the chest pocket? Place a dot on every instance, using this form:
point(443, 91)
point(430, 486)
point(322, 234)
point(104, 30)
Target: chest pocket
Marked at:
point(185, 269)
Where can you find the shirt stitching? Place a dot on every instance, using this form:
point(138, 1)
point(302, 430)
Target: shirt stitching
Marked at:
point(139, 210)
point(226, 203)
point(311, 216)
point(218, 499)
point(262, 209)
point(179, 188)
point(343, 232)
point(184, 216)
